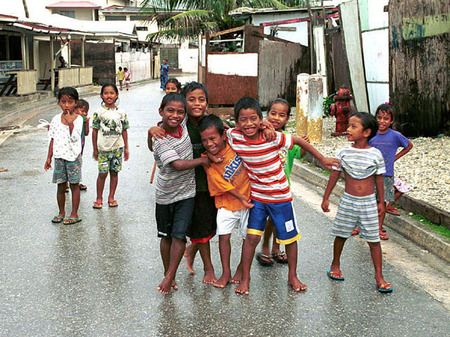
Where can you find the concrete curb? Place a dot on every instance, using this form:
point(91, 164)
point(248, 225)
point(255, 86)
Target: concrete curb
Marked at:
point(409, 228)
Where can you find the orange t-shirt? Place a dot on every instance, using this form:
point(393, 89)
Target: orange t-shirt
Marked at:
point(225, 176)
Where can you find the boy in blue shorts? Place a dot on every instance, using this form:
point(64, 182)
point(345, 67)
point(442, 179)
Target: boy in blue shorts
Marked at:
point(270, 192)
point(229, 185)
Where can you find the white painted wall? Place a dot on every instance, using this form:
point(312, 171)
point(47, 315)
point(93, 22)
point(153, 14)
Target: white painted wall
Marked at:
point(188, 60)
point(245, 64)
point(137, 62)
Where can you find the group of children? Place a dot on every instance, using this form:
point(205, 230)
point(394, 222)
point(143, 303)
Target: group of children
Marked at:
point(67, 133)
point(213, 178)
point(123, 75)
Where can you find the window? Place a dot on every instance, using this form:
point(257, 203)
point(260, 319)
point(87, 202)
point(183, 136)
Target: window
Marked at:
point(70, 14)
point(142, 28)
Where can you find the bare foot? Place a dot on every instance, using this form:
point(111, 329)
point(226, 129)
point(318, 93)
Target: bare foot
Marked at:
point(209, 277)
point(296, 284)
point(189, 254)
point(222, 282)
point(165, 286)
point(242, 288)
point(174, 285)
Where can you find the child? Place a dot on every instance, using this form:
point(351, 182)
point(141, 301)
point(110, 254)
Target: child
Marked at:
point(175, 185)
point(82, 109)
point(388, 141)
point(270, 191)
point(120, 76)
point(110, 142)
point(203, 226)
point(127, 76)
point(65, 145)
point(228, 183)
point(164, 73)
point(172, 85)
point(278, 115)
point(400, 188)
point(358, 207)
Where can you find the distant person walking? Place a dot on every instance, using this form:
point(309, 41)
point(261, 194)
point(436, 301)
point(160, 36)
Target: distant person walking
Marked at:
point(164, 72)
point(127, 75)
point(120, 76)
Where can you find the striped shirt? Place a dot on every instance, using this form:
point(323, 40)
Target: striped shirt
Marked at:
point(261, 160)
point(173, 185)
point(360, 163)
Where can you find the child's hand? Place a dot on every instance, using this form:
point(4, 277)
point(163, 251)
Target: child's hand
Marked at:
point(157, 132)
point(214, 159)
point(95, 154)
point(48, 164)
point(268, 131)
point(127, 154)
point(381, 208)
point(330, 162)
point(325, 205)
point(247, 204)
point(305, 138)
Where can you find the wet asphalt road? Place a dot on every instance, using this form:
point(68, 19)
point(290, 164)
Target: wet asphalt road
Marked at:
point(99, 277)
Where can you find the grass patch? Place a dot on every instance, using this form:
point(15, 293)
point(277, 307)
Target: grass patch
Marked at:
point(442, 230)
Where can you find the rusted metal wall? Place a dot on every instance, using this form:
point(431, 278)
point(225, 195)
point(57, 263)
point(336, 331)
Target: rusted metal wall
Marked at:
point(227, 89)
point(419, 60)
point(279, 65)
point(341, 73)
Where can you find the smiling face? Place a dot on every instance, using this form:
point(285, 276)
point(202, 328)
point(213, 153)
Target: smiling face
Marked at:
point(196, 103)
point(355, 130)
point(249, 123)
point(278, 115)
point(170, 87)
point(67, 104)
point(212, 140)
point(109, 96)
point(172, 116)
point(384, 120)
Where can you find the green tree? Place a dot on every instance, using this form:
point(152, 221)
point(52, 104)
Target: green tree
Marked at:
point(184, 19)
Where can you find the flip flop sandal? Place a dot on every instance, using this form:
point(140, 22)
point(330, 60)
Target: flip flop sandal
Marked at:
point(57, 219)
point(384, 236)
point(113, 203)
point(71, 221)
point(97, 205)
point(384, 290)
point(264, 260)
point(355, 231)
point(393, 211)
point(280, 258)
point(83, 187)
point(337, 278)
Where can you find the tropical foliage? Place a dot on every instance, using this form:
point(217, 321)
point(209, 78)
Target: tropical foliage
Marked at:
point(184, 19)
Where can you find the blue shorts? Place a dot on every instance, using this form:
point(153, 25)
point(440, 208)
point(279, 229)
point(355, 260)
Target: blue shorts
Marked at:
point(283, 219)
point(357, 211)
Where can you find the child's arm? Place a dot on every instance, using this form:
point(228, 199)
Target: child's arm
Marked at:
point(94, 143)
point(404, 151)
point(86, 126)
point(186, 164)
point(48, 162)
point(327, 162)
point(246, 202)
point(331, 183)
point(157, 132)
point(125, 141)
point(379, 183)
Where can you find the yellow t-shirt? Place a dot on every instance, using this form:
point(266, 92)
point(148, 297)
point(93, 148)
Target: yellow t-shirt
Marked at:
point(120, 74)
point(225, 176)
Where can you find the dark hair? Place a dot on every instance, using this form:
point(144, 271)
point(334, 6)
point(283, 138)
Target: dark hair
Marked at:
point(109, 85)
point(82, 103)
point(247, 103)
point(283, 101)
point(211, 121)
point(173, 96)
point(68, 91)
point(174, 81)
point(368, 121)
point(191, 86)
point(125, 68)
point(120, 68)
point(386, 108)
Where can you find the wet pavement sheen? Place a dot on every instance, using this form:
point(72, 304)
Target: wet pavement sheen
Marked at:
point(99, 277)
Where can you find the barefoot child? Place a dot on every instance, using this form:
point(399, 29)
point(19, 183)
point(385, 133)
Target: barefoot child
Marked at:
point(110, 142)
point(270, 191)
point(203, 225)
point(278, 115)
point(362, 165)
point(175, 185)
point(65, 146)
point(229, 185)
point(82, 109)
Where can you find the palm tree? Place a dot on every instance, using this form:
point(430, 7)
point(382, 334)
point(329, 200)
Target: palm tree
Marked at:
point(184, 19)
point(25, 8)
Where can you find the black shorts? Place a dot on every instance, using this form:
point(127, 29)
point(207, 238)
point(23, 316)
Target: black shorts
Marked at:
point(203, 225)
point(173, 220)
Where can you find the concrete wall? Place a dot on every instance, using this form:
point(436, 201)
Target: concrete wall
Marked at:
point(277, 71)
point(188, 60)
point(138, 63)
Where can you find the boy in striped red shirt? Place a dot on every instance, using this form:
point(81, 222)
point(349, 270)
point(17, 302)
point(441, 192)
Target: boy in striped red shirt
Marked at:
point(270, 192)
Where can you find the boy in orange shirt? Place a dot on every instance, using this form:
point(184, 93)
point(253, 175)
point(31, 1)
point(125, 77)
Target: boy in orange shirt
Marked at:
point(228, 183)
